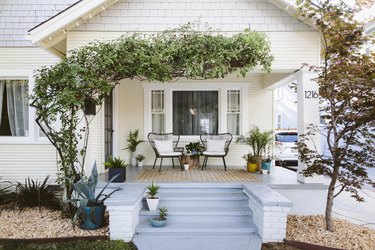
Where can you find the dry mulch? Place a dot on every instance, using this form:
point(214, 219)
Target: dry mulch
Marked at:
point(311, 229)
point(44, 223)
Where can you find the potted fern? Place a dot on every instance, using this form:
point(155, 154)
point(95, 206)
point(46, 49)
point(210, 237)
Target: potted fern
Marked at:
point(160, 221)
point(140, 159)
point(152, 199)
point(116, 166)
point(132, 145)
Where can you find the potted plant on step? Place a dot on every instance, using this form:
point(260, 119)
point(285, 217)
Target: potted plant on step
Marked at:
point(90, 208)
point(140, 159)
point(132, 145)
point(117, 167)
point(160, 221)
point(152, 199)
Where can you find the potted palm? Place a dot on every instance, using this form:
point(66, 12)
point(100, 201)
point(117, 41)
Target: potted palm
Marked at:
point(140, 159)
point(116, 166)
point(152, 199)
point(160, 221)
point(252, 163)
point(132, 145)
point(90, 207)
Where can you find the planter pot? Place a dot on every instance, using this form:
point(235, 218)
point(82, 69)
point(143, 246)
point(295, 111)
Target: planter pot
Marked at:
point(93, 218)
point(117, 171)
point(155, 222)
point(140, 164)
point(252, 167)
point(133, 159)
point(264, 171)
point(152, 203)
point(186, 166)
point(266, 165)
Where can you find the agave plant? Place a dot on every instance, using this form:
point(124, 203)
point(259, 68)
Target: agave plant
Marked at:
point(115, 162)
point(85, 189)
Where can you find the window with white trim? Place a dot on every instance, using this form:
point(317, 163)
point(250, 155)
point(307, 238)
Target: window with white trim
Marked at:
point(157, 111)
point(14, 108)
point(233, 111)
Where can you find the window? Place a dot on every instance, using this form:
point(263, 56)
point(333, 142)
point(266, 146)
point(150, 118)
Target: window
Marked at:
point(14, 108)
point(157, 111)
point(195, 112)
point(233, 111)
point(279, 120)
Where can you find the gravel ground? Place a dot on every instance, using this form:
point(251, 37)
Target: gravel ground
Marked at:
point(311, 229)
point(32, 223)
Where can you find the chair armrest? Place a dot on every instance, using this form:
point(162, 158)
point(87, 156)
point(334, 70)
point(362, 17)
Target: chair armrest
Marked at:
point(179, 149)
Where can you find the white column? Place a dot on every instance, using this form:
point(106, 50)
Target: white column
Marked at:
point(308, 113)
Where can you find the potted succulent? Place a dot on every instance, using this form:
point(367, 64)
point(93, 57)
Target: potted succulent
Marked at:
point(117, 167)
point(152, 199)
point(252, 163)
point(162, 219)
point(132, 145)
point(90, 208)
point(266, 164)
point(140, 159)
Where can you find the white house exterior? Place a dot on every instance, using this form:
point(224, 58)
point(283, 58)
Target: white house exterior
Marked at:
point(51, 37)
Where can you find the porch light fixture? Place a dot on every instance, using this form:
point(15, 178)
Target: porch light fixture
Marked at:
point(193, 110)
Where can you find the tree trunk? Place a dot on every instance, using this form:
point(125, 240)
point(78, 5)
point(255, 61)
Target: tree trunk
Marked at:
point(330, 196)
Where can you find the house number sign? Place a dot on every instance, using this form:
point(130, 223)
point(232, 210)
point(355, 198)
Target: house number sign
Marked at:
point(311, 94)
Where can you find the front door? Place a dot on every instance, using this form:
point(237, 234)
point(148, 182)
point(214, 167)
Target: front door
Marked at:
point(108, 126)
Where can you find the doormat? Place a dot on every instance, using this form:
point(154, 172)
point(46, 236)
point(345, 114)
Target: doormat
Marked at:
point(197, 175)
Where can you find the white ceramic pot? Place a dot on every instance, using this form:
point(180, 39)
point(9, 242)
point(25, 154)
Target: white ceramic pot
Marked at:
point(133, 160)
point(186, 166)
point(264, 171)
point(152, 203)
point(140, 164)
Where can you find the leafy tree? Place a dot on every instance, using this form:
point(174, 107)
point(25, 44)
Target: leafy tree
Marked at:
point(91, 72)
point(346, 81)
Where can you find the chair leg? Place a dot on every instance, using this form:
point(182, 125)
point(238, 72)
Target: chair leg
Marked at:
point(173, 162)
point(225, 165)
point(204, 162)
point(154, 162)
point(182, 167)
point(161, 162)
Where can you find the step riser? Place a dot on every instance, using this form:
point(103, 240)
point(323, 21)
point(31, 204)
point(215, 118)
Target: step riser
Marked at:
point(196, 219)
point(200, 190)
point(213, 204)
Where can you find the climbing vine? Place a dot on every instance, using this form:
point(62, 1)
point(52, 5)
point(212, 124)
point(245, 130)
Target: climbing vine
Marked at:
point(92, 71)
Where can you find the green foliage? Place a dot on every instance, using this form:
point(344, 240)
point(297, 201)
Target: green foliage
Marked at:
point(194, 148)
point(68, 245)
point(115, 162)
point(133, 140)
point(258, 141)
point(346, 82)
point(250, 158)
point(153, 190)
point(36, 194)
point(162, 213)
point(6, 192)
point(86, 193)
point(140, 157)
point(92, 71)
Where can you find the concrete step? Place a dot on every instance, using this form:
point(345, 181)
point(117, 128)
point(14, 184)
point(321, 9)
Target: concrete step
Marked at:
point(200, 190)
point(186, 196)
point(203, 203)
point(200, 227)
point(202, 211)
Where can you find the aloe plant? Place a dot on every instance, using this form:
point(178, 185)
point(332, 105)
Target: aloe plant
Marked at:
point(85, 189)
point(162, 213)
point(153, 190)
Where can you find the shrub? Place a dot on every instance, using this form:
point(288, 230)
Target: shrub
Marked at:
point(6, 193)
point(36, 194)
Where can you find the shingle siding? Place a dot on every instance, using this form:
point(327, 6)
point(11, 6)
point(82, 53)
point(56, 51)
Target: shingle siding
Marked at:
point(226, 15)
point(18, 16)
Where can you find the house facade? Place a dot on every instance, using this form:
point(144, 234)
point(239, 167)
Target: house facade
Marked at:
point(40, 34)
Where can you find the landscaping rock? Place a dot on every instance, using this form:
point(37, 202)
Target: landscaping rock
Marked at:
point(311, 229)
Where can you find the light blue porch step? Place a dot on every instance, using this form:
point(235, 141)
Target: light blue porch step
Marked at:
point(203, 211)
point(202, 196)
point(200, 190)
point(206, 227)
point(203, 203)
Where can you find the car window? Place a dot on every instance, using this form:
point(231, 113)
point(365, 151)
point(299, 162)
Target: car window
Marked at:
point(286, 137)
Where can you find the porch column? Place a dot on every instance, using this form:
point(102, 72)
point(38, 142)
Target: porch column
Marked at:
point(308, 113)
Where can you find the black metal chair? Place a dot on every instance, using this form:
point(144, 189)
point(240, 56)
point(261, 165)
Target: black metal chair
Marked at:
point(216, 146)
point(160, 143)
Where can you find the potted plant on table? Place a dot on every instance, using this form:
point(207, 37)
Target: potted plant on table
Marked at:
point(90, 208)
point(132, 145)
point(140, 159)
point(194, 149)
point(152, 199)
point(117, 167)
point(160, 221)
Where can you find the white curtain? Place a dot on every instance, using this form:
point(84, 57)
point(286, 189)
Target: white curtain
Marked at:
point(18, 107)
point(2, 82)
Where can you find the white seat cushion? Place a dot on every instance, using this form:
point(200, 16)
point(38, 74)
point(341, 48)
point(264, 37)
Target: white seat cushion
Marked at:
point(171, 154)
point(213, 153)
point(165, 146)
point(215, 146)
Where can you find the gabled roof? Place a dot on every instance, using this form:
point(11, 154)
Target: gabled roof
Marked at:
point(51, 34)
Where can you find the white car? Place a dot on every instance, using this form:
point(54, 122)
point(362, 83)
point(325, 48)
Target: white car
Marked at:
point(286, 148)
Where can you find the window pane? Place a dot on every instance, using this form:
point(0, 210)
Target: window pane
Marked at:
point(157, 111)
point(233, 111)
point(195, 112)
point(14, 108)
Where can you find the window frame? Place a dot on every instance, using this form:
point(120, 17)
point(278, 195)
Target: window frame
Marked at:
point(222, 89)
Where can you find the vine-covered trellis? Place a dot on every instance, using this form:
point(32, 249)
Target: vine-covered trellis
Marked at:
point(92, 71)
